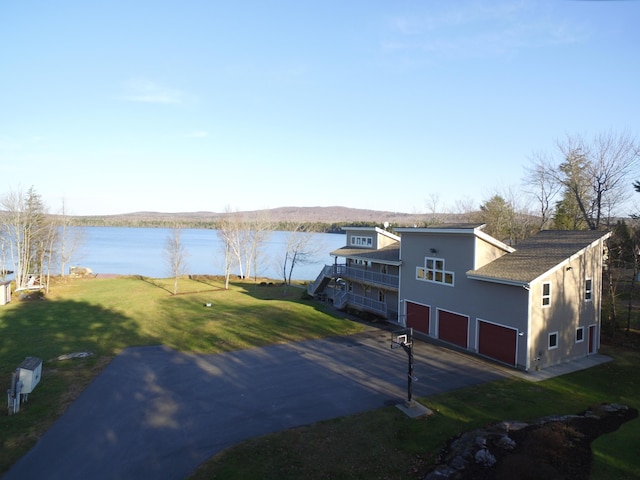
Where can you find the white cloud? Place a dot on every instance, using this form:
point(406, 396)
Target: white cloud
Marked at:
point(142, 90)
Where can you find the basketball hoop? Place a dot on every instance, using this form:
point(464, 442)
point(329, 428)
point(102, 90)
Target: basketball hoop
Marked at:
point(400, 338)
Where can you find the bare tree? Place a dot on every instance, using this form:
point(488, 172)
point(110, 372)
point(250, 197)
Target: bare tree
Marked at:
point(242, 238)
point(258, 232)
point(300, 249)
point(543, 186)
point(229, 234)
point(467, 210)
point(175, 256)
point(4, 271)
point(434, 210)
point(49, 240)
point(227, 258)
point(233, 237)
point(26, 234)
point(70, 238)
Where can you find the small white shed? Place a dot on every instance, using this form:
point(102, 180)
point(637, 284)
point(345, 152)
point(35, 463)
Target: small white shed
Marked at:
point(5, 292)
point(30, 371)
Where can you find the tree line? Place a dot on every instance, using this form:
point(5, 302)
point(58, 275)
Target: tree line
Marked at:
point(174, 220)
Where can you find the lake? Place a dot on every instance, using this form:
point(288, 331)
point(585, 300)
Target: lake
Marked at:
point(141, 251)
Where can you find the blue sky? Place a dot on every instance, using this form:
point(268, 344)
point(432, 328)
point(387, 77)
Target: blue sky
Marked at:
point(201, 105)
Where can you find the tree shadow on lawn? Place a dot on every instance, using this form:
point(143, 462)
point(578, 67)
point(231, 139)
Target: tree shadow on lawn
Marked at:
point(166, 284)
point(47, 329)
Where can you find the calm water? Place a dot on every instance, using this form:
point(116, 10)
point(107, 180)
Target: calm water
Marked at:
point(140, 251)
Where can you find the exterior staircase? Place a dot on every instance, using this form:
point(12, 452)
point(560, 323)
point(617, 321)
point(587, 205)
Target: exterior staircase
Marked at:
point(321, 281)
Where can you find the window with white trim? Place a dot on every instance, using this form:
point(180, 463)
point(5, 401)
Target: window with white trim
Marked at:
point(588, 287)
point(546, 294)
point(359, 241)
point(579, 334)
point(553, 340)
point(433, 271)
point(381, 295)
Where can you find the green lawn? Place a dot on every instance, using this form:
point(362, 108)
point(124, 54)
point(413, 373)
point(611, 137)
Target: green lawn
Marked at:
point(105, 315)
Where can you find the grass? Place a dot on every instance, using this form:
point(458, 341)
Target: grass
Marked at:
point(105, 315)
point(386, 444)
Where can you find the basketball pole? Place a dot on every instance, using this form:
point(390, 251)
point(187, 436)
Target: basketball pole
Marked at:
point(409, 349)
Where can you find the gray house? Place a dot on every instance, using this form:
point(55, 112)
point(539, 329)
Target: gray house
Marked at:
point(528, 307)
point(365, 274)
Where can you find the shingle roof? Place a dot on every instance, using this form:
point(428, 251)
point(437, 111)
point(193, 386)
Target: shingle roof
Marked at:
point(389, 254)
point(537, 255)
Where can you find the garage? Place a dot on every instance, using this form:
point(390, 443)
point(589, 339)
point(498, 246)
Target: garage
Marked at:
point(418, 317)
point(453, 328)
point(497, 342)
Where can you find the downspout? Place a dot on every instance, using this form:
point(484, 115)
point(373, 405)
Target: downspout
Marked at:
point(601, 250)
point(402, 314)
point(528, 335)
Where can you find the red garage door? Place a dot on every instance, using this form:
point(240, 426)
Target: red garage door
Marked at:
point(497, 342)
point(418, 317)
point(453, 328)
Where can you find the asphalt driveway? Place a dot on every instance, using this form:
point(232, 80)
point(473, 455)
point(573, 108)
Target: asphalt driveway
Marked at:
point(155, 413)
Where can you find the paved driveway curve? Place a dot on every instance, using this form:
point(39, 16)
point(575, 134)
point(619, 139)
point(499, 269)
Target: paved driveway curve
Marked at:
point(155, 413)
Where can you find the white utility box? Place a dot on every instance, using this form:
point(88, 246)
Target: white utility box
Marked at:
point(29, 372)
point(5, 292)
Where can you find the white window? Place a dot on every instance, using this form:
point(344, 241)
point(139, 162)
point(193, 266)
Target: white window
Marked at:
point(361, 241)
point(383, 269)
point(553, 340)
point(546, 294)
point(580, 335)
point(588, 286)
point(381, 295)
point(433, 271)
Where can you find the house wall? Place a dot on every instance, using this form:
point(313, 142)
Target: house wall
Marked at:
point(568, 310)
point(378, 238)
point(496, 303)
point(517, 308)
point(384, 241)
point(457, 251)
point(486, 253)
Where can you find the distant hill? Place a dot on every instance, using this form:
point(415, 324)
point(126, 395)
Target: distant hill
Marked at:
point(282, 215)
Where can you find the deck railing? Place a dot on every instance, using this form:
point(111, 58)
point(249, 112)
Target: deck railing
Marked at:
point(369, 304)
point(340, 298)
point(368, 276)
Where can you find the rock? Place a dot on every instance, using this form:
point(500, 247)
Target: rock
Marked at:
point(485, 458)
point(557, 446)
point(506, 443)
point(458, 463)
